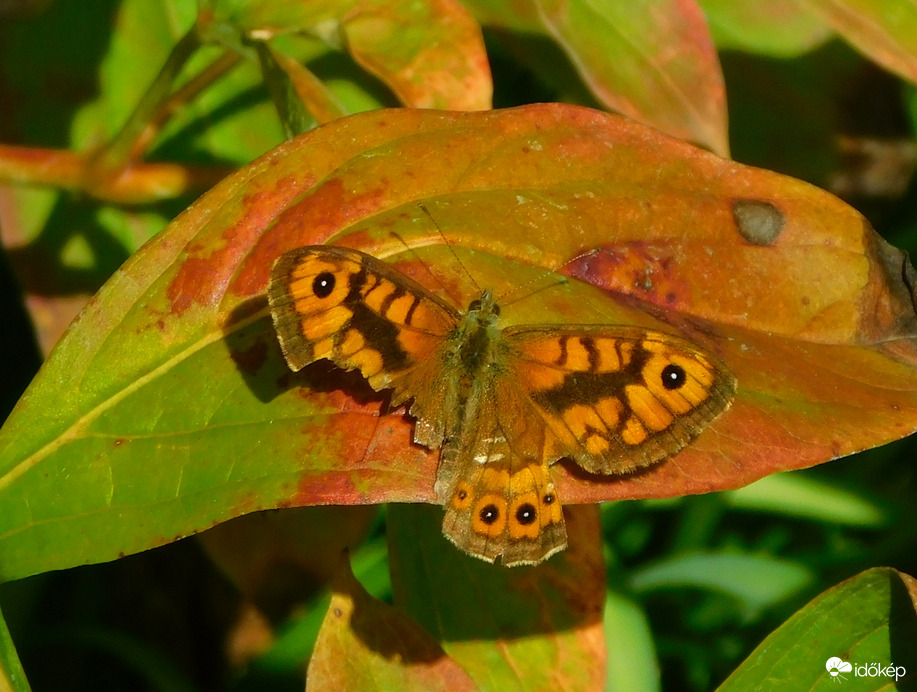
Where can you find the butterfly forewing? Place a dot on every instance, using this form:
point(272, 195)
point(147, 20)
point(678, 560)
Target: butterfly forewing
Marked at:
point(618, 398)
point(357, 312)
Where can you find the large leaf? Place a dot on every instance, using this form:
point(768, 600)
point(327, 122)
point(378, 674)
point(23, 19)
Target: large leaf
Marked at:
point(167, 407)
point(868, 621)
point(532, 628)
point(652, 60)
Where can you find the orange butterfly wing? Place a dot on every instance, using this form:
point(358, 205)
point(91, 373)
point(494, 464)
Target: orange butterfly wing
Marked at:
point(359, 313)
point(618, 398)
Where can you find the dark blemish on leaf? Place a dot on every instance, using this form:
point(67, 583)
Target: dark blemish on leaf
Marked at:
point(759, 222)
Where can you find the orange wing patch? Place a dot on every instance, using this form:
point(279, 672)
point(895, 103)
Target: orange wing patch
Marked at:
point(362, 315)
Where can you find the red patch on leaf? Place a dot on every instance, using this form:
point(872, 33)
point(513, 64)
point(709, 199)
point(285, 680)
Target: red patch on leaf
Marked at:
point(204, 276)
point(310, 221)
point(638, 269)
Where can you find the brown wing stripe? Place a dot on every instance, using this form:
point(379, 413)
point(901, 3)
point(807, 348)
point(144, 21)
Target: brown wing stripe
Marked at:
point(562, 358)
point(588, 388)
point(380, 334)
point(592, 351)
point(409, 317)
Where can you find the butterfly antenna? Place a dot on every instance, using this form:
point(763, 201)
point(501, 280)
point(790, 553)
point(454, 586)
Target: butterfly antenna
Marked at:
point(558, 280)
point(433, 275)
point(449, 246)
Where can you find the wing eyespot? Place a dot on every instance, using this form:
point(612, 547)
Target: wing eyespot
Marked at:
point(526, 514)
point(323, 285)
point(489, 514)
point(673, 376)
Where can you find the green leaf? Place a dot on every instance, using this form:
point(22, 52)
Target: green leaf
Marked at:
point(530, 627)
point(632, 662)
point(12, 677)
point(755, 582)
point(885, 32)
point(651, 60)
point(798, 496)
point(781, 28)
point(868, 620)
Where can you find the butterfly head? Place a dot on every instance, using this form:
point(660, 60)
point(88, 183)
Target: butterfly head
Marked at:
point(485, 309)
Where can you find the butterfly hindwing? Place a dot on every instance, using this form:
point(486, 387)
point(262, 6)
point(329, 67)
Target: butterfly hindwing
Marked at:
point(496, 487)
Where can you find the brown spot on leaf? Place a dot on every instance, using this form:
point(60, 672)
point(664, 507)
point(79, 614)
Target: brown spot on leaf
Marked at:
point(759, 222)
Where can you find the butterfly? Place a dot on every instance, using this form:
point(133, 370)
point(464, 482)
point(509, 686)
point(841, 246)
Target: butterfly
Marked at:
point(500, 403)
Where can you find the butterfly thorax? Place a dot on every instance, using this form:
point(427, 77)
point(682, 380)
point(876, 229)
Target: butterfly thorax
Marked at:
point(474, 357)
point(476, 340)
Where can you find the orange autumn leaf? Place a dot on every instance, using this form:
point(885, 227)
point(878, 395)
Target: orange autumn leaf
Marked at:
point(429, 53)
